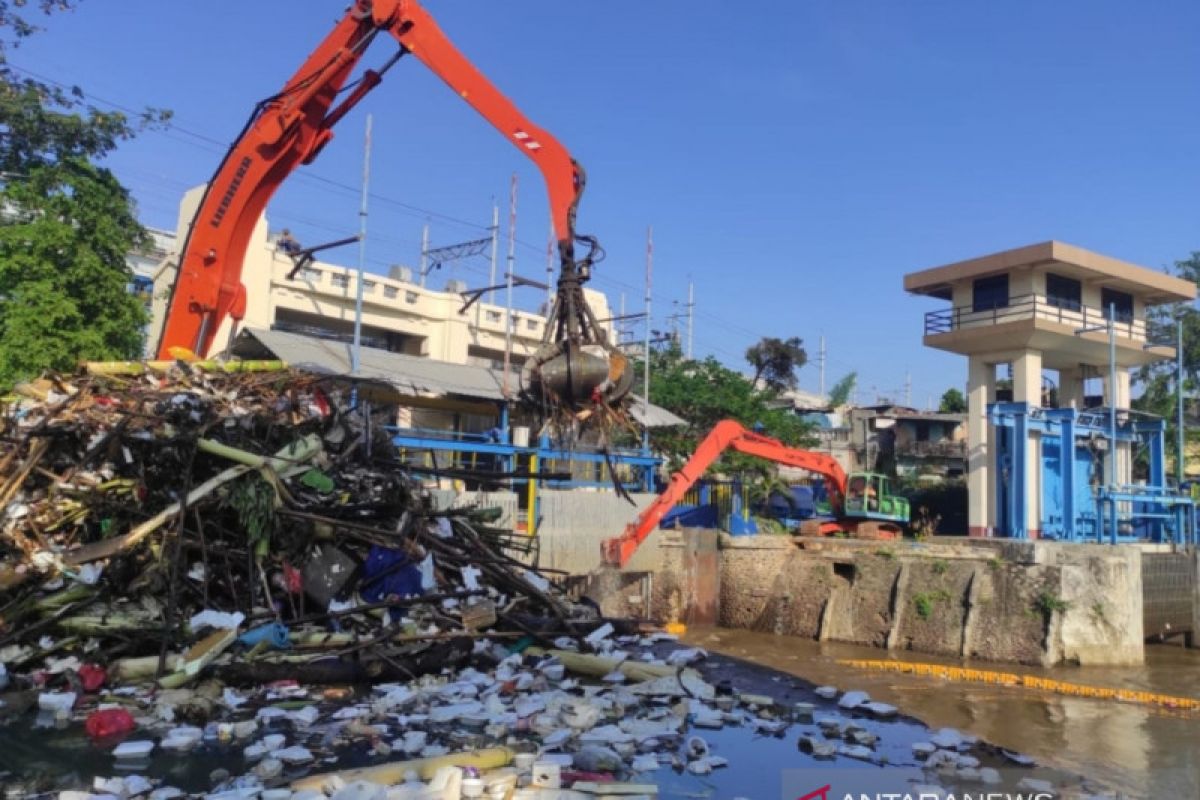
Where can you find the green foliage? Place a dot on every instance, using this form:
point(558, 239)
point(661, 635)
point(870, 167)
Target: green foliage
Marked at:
point(66, 224)
point(770, 527)
point(926, 601)
point(840, 394)
point(1158, 382)
point(705, 392)
point(940, 566)
point(775, 362)
point(886, 553)
point(253, 500)
point(926, 524)
point(14, 20)
point(952, 402)
point(1048, 603)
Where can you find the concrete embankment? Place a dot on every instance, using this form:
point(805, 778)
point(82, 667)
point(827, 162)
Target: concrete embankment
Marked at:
point(1023, 602)
point(1028, 602)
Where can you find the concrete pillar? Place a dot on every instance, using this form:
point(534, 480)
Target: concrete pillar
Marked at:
point(1122, 400)
point(1027, 388)
point(981, 500)
point(1070, 388)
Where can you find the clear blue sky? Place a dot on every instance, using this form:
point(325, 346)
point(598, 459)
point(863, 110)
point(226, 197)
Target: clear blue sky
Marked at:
point(794, 158)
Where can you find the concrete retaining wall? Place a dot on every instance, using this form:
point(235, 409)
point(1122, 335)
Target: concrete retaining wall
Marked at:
point(573, 524)
point(1025, 602)
point(1030, 602)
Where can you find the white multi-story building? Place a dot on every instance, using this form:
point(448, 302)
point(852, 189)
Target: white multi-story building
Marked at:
point(398, 315)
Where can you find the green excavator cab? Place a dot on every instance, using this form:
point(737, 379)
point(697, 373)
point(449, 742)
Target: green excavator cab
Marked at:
point(868, 496)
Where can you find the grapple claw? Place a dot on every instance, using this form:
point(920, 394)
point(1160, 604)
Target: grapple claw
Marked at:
point(576, 375)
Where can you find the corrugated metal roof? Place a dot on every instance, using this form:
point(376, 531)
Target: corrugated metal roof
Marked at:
point(655, 417)
point(412, 375)
point(409, 374)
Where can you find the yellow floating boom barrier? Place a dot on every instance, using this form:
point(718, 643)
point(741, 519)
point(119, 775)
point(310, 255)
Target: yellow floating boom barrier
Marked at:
point(964, 674)
point(122, 368)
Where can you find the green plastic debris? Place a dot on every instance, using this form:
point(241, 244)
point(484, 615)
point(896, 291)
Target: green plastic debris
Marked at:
point(521, 644)
point(317, 481)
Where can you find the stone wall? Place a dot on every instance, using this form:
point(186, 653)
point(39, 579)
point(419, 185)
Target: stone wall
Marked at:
point(1024, 602)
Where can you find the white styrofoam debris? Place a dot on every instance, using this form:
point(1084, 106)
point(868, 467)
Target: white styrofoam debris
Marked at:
point(210, 618)
point(56, 701)
point(854, 699)
point(600, 634)
point(293, 755)
point(138, 748)
point(470, 576)
point(687, 656)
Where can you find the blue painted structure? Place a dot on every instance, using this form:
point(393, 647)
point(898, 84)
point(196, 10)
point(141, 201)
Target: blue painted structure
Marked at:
point(725, 504)
point(1077, 503)
point(713, 503)
point(493, 451)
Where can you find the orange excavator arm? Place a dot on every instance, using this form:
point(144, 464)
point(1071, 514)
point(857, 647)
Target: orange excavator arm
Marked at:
point(290, 128)
point(725, 435)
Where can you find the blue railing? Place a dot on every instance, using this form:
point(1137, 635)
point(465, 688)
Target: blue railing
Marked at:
point(584, 467)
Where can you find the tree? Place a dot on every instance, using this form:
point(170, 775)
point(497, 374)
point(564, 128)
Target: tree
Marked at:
point(775, 361)
point(1158, 382)
point(953, 402)
point(66, 223)
point(705, 392)
point(840, 394)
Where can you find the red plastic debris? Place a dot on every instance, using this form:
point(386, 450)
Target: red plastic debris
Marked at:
point(92, 677)
point(573, 777)
point(109, 722)
point(293, 579)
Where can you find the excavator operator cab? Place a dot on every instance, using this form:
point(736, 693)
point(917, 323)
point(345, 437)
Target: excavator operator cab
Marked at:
point(868, 496)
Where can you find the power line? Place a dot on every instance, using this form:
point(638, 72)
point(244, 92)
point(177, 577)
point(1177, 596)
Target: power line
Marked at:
point(215, 145)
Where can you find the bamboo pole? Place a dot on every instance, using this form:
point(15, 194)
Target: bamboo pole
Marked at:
point(599, 666)
point(426, 768)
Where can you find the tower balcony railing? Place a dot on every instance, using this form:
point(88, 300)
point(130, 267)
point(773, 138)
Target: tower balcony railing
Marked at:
point(1031, 307)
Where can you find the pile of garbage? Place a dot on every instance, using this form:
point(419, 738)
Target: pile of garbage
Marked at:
point(218, 582)
point(217, 523)
point(175, 516)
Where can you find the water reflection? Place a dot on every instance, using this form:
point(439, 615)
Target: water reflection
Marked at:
point(1141, 750)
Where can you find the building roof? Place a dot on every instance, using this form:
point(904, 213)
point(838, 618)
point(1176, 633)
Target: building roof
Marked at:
point(1152, 286)
point(931, 416)
point(410, 375)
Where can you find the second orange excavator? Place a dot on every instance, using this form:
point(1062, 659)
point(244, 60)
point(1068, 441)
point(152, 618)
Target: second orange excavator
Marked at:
point(859, 502)
point(576, 368)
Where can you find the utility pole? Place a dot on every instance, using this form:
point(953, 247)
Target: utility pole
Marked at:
point(356, 356)
point(495, 242)
point(691, 317)
point(908, 389)
point(550, 268)
point(821, 365)
point(508, 277)
point(424, 252)
point(1179, 456)
point(646, 352)
point(617, 329)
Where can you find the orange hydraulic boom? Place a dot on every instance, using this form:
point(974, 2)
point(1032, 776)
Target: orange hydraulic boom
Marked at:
point(876, 516)
point(291, 127)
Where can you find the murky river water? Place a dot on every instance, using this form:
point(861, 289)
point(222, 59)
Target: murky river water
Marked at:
point(1143, 751)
